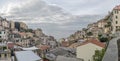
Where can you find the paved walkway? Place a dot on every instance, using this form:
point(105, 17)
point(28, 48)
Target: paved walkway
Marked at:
point(112, 51)
point(8, 59)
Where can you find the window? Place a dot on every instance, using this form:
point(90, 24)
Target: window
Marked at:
point(0, 36)
point(116, 22)
point(0, 32)
point(17, 40)
point(5, 55)
point(116, 17)
point(117, 12)
point(0, 55)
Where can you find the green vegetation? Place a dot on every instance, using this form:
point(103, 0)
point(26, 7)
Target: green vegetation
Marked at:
point(3, 47)
point(98, 55)
point(103, 39)
point(29, 30)
point(89, 33)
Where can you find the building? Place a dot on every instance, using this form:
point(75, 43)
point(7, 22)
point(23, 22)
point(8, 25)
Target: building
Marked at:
point(65, 43)
point(52, 44)
point(15, 37)
point(5, 23)
point(101, 23)
point(29, 34)
point(115, 19)
point(92, 25)
point(86, 50)
point(75, 45)
point(43, 49)
point(12, 25)
point(63, 58)
point(0, 22)
point(3, 34)
point(20, 26)
point(5, 53)
point(1, 28)
point(38, 33)
point(17, 25)
point(20, 39)
point(23, 35)
point(61, 51)
point(23, 25)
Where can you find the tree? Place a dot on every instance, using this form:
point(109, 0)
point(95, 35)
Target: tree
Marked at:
point(89, 33)
point(98, 55)
point(100, 35)
point(104, 39)
point(29, 30)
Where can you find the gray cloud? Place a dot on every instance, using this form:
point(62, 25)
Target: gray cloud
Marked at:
point(82, 7)
point(51, 18)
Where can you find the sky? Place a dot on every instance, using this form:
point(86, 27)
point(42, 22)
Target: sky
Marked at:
point(58, 18)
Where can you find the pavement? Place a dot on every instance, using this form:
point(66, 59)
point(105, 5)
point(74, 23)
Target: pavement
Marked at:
point(112, 51)
point(8, 59)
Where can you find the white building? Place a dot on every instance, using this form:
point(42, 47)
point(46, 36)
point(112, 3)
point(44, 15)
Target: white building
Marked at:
point(3, 34)
point(115, 19)
point(86, 50)
point(5, 23)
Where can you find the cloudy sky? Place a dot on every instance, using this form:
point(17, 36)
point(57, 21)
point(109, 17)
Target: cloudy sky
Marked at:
point(59, 18)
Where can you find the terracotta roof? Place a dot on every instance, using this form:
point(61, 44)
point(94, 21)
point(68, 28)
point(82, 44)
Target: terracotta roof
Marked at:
point(43, 47)
point(117, 7)
point(22, 33)
point(74, 45)
point(10, 45)
point(65, 43)
point(96, 42)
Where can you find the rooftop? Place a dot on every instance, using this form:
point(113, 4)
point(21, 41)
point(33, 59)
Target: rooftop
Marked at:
point(26, 56)
point(117, 7)
point(63, 58)
point(61, 51)
point(43, 47)
point(96, 42)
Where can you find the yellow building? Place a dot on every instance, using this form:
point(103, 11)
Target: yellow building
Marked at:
point(5, 53)
point(23, 25)
point(86, 50)
point(29, 34)
point(12, 25)
point(38, 32)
